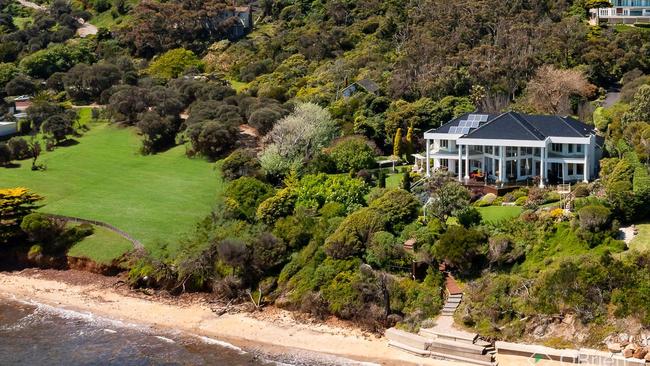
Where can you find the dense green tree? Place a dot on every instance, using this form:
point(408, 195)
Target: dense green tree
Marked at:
point(59, 127)
point(20, 85)
point(158, 132)
point(244, 194)
point(212, 138)
point(8, 72)
point(354, 234)
point(174, 63)
point(19, 148)
point(447, 199)
point(241, 163)
point(352, 153)
point(461, 248)
point(399, 207)
point(15, 204)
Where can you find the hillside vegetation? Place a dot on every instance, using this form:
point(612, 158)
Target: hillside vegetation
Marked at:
point(301, 215)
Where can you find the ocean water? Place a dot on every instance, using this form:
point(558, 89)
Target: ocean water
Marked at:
point(35, 334)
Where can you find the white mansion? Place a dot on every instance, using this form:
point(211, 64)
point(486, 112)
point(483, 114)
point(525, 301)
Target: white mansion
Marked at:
point(513, 147)
point(622, 11)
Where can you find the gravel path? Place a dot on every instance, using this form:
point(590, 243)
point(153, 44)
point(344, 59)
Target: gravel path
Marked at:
point(627, 233)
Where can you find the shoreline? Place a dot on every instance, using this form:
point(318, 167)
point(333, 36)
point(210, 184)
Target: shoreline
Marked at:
point(273, 331)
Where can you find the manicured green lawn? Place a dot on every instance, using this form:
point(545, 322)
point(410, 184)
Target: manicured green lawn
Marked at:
point(641, 242)
point(102, 246)
point(498, 213)
point(104, 177)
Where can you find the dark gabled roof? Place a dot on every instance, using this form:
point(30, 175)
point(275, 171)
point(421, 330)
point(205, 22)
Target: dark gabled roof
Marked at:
point(559, 126)
point(507, 126)
point(369, 85)
point(516, 126)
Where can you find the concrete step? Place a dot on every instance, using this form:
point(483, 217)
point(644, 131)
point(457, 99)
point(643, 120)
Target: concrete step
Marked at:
point(458, 346)
point(455, 296)
point(409, 349)
point(454, 299)
point(451, 357)
point(450, 307)
point(467, 338)
point(409, 339)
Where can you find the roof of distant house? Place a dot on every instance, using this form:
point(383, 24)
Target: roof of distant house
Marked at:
point(515, 126)
point(367, 84)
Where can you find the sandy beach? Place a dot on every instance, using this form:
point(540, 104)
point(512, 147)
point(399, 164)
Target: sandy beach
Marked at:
point(271, 330)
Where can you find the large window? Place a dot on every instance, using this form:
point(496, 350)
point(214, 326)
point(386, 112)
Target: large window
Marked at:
point(489, 149)
point(580, 169)
point(556, 147)
point(444, 163)
point(444, 144)
point(578, 148)
point(511, 151)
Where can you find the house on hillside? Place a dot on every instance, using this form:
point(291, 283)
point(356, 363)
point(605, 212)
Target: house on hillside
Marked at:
point(18, 106)
point(242, 21)
point(622, 12)
point(364, 84)
point(512, 148)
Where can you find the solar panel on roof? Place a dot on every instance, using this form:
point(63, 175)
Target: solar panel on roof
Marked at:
point(452, 130)
point(464, 130)
point(473, 124)
point(483, 118)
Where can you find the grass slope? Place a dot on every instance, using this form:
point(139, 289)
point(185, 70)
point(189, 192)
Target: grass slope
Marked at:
point(102, 246)
point(641, 242)
point(104, 178)
point(498, 213)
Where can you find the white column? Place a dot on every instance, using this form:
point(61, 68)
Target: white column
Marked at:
point(587, 167)
point(460, 161)
point(502, 164)
point(565, 172)
point(542, 167)
point(467, 162)
point(427, 158)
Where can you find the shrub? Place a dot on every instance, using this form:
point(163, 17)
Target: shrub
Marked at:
point(19, 148)
point(102, 5)
point(280, 205)
point(241, 163)
point(594, 218)
point(461, 248)
point(581, 190)
point(354, 234)
point(352, 153)
point(173, 63)
point(385, 250)
point(521, 200)
point(43, 230)
point(551, 196)
point(245, 194)
point(296, 230)
point(469, 216)
point(398, 206)
point(486, 200)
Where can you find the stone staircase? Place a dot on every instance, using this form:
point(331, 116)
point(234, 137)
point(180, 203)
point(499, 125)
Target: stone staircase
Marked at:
point(452, 303)
point(444, 345)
